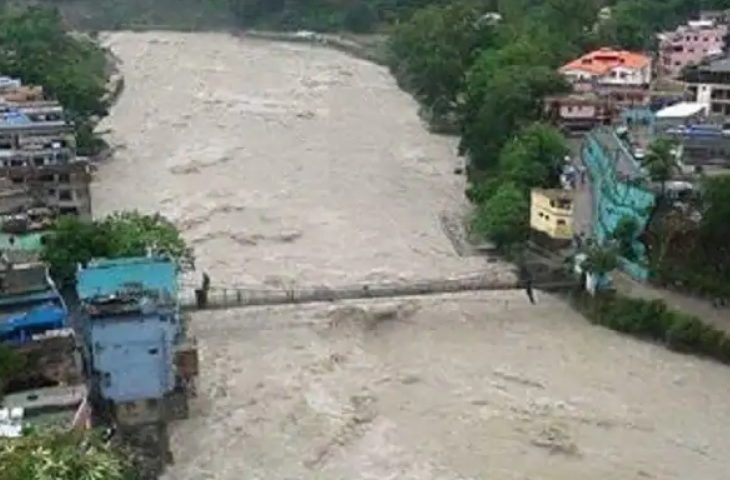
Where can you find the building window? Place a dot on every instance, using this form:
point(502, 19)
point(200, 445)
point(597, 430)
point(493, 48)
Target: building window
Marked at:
point(64, 178)
point(69, 211)
point(65, 195)
point(561, 222)
point(46, 178)
point(691, 50)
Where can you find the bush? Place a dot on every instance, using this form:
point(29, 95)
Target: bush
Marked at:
point(504, 218)
point(653, 320)
point(125, 234)
point(62, 456)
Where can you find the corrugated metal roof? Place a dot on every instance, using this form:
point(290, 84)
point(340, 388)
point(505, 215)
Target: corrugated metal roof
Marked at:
point(107, 277)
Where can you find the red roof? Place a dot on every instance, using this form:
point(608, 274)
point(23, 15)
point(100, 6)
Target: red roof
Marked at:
point(602, 61)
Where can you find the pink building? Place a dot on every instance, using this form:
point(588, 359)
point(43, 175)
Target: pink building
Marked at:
point(689, 44)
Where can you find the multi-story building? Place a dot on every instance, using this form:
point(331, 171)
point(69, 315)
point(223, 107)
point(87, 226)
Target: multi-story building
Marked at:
point(689, 44)
point(12, 90)
point(709, 84)
point(551, 213)
point(131, 323)
point(619, 76)
point(38, 155)
point(576, 112)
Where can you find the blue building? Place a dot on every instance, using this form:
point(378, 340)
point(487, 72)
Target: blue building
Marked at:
point(131, 324)
point(30, 304)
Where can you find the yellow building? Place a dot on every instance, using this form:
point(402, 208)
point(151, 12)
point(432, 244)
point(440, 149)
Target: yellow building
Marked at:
point(551, 212)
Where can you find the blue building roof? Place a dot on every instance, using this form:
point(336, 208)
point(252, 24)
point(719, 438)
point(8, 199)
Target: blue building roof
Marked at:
point(105, 277)
point(48, 316)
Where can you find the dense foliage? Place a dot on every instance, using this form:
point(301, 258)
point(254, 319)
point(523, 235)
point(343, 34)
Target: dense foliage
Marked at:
point(652, 320)
point(504, 216)
point(35, 47)
point(491, 76)
point(325, 15)
point(696, 256)
point(120, 235)
point(61, 456)
point(660, 161)
point(432, 52)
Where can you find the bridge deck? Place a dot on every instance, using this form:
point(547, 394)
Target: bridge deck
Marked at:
point(227, 298)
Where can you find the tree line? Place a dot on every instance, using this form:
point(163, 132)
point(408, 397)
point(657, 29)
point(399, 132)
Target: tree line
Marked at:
point(489, 76)
point(35, 47)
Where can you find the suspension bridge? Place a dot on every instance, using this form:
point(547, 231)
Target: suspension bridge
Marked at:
point(215, 297)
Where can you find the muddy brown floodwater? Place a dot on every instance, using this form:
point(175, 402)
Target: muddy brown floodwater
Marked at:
point(290, 164)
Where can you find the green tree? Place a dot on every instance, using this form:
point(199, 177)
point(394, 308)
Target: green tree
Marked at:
point(534, 157)
point(513, 99)
point(431, 53)
point(625, 234)
point(504, 218)
point(601, 260)
point(715, 225)
point(35, 47)
point(124, 234)
point(661, 161)
point(62, 456)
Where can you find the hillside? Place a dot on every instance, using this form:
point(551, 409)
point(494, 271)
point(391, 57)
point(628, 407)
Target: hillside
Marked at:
point(143, 14)
point(322, 15)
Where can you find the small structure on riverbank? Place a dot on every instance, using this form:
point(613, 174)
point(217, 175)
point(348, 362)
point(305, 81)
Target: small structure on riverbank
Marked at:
point(551, 214)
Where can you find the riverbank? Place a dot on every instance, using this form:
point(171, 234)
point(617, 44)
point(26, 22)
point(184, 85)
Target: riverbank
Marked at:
point(366, 47)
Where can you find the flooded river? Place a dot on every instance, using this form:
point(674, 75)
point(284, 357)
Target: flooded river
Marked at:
point(290, 164)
